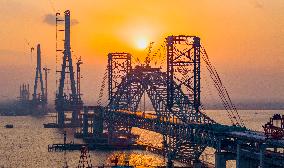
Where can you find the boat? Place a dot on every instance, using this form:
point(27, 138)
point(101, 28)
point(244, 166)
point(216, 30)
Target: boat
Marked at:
point(50, 125)
point(9, 126)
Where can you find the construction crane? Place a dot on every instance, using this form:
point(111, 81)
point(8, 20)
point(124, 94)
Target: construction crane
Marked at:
point(79, 62)
point(148, 59)
point(31, 49)
point(46, 71)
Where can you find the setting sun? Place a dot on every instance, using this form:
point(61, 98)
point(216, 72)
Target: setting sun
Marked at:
point(141, 43)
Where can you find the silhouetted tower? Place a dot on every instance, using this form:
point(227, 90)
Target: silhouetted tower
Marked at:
point(46, 71)
point(119, 66)
point(183, 70)
point(24, 92)
point(38, 97)
point(79, 62)
point(67, 100)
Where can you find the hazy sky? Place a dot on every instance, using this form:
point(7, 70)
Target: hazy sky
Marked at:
point(244, 39)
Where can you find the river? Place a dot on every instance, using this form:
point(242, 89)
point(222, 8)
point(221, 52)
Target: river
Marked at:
point(25, 145)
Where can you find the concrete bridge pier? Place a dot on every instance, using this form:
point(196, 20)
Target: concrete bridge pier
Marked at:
point(197, 165)
point(92, 123)
point(262, 156)
point(119, 130)
point(75, 119)
point(85, 122)
point(242, 162)
point(98, 126)
point(222, 157)
point(60, 118)
point(246, 163)
point(170, 164)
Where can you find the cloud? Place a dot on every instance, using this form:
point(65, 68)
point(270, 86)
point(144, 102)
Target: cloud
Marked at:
point(50, 19)
point(74, 21)
point(257, 3)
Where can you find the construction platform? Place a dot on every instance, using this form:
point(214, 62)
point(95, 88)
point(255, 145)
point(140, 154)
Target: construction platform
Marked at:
point(97, 146)
point(55, 125)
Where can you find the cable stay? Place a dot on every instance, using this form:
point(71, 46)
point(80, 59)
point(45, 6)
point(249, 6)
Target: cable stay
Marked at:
point(101, 94)
point(222, 91)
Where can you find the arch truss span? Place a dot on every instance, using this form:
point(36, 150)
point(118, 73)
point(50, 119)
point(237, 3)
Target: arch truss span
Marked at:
point(154, 82)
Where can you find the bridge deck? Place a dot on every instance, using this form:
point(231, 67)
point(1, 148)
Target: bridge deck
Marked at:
point(248, 135)
point(205, 134)
point(209, 135)
point(258, 137)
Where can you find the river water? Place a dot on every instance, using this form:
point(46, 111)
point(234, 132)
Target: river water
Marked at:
point(26, 144)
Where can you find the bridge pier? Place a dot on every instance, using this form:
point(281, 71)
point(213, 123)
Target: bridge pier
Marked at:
point(222, 157)
point(197, 165)
point(170, 164)
point(240, 162)
point(262, 156)
point(75, 119)
point(85, 122)
point(220, 161)
point(98, 126)
point(92, 122)
point(119, 130)
point(60, 118)
point(243, 162)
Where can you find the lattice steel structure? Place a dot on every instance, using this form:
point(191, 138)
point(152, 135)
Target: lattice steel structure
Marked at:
point(175, 94)
point(119, 66)
point(66, 100)
point(183, 68)
point(154, 83)
point(183, 73)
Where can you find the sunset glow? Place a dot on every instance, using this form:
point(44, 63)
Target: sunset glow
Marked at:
point(240, 38)
point(141, 43)
point(149, 83)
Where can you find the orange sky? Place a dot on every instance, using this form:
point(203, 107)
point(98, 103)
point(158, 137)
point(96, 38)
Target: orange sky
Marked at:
point(244, 39)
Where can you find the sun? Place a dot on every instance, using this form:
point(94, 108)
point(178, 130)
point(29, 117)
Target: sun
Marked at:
point(141, 43)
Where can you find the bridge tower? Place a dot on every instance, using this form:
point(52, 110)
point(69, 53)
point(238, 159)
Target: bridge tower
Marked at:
point(183, 71)
point(183, 67)
point(119, 66)
point(67, 100)
point(38, 99)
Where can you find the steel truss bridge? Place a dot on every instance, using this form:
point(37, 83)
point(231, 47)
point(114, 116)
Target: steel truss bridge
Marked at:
point(175, 96)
